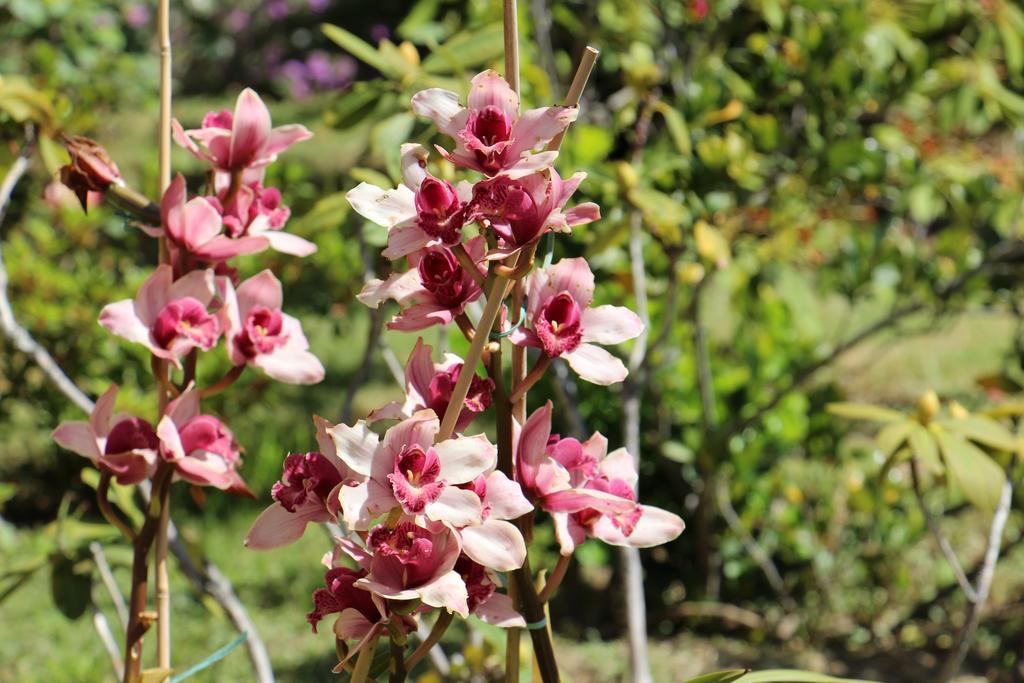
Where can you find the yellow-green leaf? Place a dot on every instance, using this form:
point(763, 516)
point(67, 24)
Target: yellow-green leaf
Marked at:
point(795, 676)
point(711, 244)
point(893, 435)
point(677, 128)
point(985, 431)
point(156, 675)
point(465, 50)
point(864, 411)
point(719, 676)
point(365, 52)
point(978, 475)
point(924, 448)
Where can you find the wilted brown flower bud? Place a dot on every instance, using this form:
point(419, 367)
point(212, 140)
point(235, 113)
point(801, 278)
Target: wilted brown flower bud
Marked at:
point(91, 168)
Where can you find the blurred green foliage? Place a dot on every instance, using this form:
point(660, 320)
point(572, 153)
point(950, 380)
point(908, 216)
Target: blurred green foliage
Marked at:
point(803, 170)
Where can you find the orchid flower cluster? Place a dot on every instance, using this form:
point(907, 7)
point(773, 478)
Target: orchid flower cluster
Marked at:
point(431, 517)
point(193, 300)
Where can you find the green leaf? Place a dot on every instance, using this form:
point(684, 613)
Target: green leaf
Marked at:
point(719, 676)
point(864, 411)
point(590, 144)
point(985, 431)
point(362, 50)
point(893, 435)
point(977, 474)
point(466, 49)
point(665, 215)
point(70, 584)
point(677, 128)
point(385, 133)
point(924, 448)
point(795, 676)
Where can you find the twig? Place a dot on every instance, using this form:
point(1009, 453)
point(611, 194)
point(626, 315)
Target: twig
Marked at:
point(579, 82)
point(633, 389)
point(526, 383)
point(555, 580)
point(108, 512)
point(102, 626)
point(717, 610)
point(754, 549)
point(467, 263)
point(107, 576)
point(163, 588)
point(362, 669)
point(944, 545)
point(984, 585)
point(511, 24)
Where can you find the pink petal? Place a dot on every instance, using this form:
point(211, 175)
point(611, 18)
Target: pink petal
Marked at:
point(200, 222)
point(610, 324)
point(204, 468)
point(574, 500)
point(596, 365)
point(465, 458)
point(352, 625)
point(443, 108)
point(283, 137)
point(655, 526)
point(455, 506)
point(530, 164)
point(120, 318)
point(400, 286)
point(418, 430)
point(447, 591)
point(571, 275)
point(581, 214)
point(495, 544)
point(103, 411)
point(413, 164)
point(79, 437)
point(383, 207)
point(262, 289)
point(183, 139)
point(537, 126)
point(223, 248)
point(568, 531)
point(287, 243)
point(499, 611)
point(406, 239)
point(505, 497)
point(291, 365)
point(173, 200)
point(490, 89)
point(199, 284)
point(391, 411)
point(250, 131)
point(619, 464)
point(533, 441)
point(388, 590)
point(421, 316)
point(419, 372)
point(185, 407)
point(132, 467)
point(170, 439)
point(276, 526)
point(153, 295)
point(362, 504)
point(355, 445)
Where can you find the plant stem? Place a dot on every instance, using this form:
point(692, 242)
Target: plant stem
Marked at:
point(511, 23)
point(579, 81)
point(223, 383)
point(467, 263)
point(362, 669)
point(555, 580)
point(523, 385)
point(444, 620)
point(108, 512)
point(398, 664)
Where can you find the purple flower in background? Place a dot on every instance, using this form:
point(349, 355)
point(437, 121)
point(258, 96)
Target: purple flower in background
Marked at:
point(318, 6)
point(237, 20)
point(320, 71)
point(380, 32)
point(278, 9)
point(137, 15)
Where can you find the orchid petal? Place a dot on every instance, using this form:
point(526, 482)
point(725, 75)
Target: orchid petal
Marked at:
point(465, 458)
point(610, 324)
point(596, 365)
point(495, 544)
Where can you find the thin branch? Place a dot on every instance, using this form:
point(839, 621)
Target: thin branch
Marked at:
point(754, 549)
point(984, 585)
point(944, 545)
point(555, 580)
point(102, 626)
point(107, 576)
point(436, 654)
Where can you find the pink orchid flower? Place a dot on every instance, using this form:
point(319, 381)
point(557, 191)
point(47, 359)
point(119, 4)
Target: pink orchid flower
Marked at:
point(429, 385)
point(587, 491)
point(484, 601)
point(201, 447)
point(408, 470)
point(242, 141)
point(410, 561)
point(491, 136)
point(433, 291)
point(255, 212)
point(452, 481)
point(123, 445)
point(521, 210)
point(307, 493)
point(422, 212)
point(563, 324)
point(195, 228)
point(167, 316)
point(259, 334)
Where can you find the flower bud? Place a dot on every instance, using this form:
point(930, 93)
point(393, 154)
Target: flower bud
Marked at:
point(91, 168)
point(927, 407)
